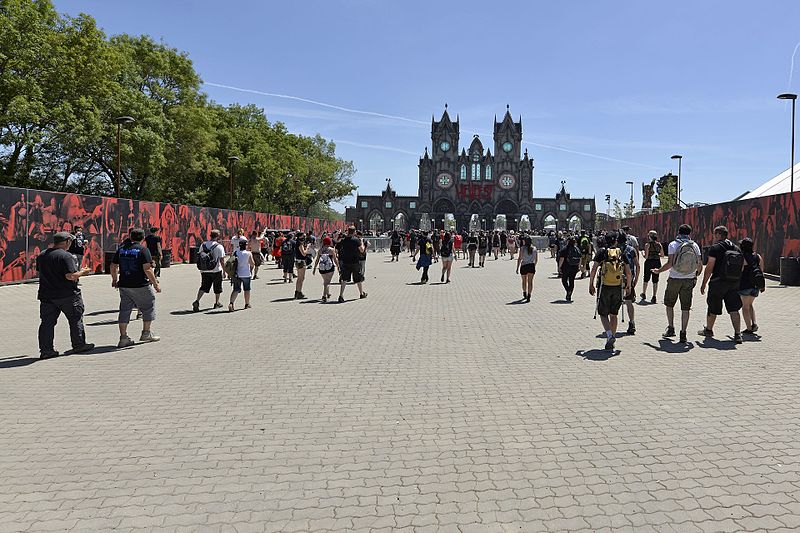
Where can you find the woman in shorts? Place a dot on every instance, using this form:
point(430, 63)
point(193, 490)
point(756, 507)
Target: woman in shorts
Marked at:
point(244, 272)
point(751, 284)
point(653, 252)
point(447, 252)
point(300, 263)
point(526, 266)
point(483, 247)
point(326, 261)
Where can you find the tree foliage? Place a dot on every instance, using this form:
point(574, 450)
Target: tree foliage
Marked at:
point(62, 84)
point(667, 196)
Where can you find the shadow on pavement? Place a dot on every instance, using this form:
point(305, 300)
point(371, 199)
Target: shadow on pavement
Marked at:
point(17, 361)
point(13, 362)
point(716, 344)
point(311, 301)
point(560, 302)
point(103, 322)
point(669, 346)
point(180, 312)
point(517, 302)
point(106, 312)
point(597, 355)
point(278, 300)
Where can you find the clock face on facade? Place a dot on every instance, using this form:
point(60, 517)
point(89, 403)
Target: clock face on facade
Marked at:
point(507, 181)
point(444, 180)
point(507, 147)
point(444, 145)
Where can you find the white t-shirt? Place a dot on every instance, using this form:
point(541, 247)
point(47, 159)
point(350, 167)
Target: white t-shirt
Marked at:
point(235, 242)
point(218, 253)
point(243, 263)
point(528, 259)
point(673, 249)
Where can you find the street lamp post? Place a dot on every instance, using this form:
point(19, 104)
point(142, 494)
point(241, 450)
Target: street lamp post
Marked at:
point(678, 191)
point(231, 160)
point(793, 98)
point(120, 121)
point(631, 184)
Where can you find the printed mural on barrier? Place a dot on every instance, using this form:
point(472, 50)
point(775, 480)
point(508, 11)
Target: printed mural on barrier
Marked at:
point(771, 221)
point(29, 218)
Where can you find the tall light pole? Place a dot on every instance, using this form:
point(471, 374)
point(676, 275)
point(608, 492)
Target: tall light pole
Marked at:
point(231, 160)
point(631, 184)
point(120, 121)
point(678, 192)
point(793, 98)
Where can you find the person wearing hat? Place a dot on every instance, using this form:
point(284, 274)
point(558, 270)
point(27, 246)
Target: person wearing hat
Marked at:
point(59, 293)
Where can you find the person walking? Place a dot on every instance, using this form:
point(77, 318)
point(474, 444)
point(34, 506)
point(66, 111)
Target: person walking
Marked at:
point(394, 247)
point(448, 254)
point(412, 244)
point(58, 293)
point(458, 243)
point(327, 261)
point(472, 247)
point(362, 255)
point(255, 249)
point(752, 284)
point(132, 273)
point(724, 270)
point(483, 246)
point(503, 243)
point(612, 284)
point(496, 244)
point(652, 253)
point(235, 240)
point(210, 262)
point(632, 256)
point(512, 244)
point(78, 246)
point(277, 243)
point(684, 263)
point(349, 268)
point(245, 266)
point(585, 246)
point(425, 255)
point(436, 241)
point(569, 262)
point(301, 261)
point(153, 242)
point(287, 257)
point(526, 266)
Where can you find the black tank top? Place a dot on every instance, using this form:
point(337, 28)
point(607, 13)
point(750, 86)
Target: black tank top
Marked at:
point(654, 250)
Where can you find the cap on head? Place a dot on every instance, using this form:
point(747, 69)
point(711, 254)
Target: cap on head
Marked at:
point(154, 230)
point(137, 234)
point(62, 236)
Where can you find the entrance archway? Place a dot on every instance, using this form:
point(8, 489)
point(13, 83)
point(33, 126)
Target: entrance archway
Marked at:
point(425, 222)
point(449, 222)
point(400, 222)
point(376, 223)
point(574, 223)
point(524, 223)
point(475, 222)
point(550, 222)
point(500, 222)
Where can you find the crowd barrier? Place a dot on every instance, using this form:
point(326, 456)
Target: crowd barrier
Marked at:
point(29, 218)
point(771, 221)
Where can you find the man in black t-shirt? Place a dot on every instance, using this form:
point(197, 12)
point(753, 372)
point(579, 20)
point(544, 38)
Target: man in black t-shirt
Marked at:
point(724, 269)
point(78, 246)
point(132, 273)
point(59, 293)
point(153, 242)
point(349, 263)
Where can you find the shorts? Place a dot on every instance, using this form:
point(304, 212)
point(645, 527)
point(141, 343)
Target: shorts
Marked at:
point(258, 259)
point(288, 264)
point(650, 264)
point(141, 298)
point(679, 288)
point(211, 278)
point(299, 264)
point(241, 283)
point(350, 271)
point(448, 259)
point(720, 291)
point(609, 300)
point(749, 292)
point(530, 268)
point(331, 271)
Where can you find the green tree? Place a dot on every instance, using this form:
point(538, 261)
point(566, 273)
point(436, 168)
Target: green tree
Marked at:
point(667, 196)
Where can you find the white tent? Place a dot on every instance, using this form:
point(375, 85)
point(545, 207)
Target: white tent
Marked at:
point(777, 185)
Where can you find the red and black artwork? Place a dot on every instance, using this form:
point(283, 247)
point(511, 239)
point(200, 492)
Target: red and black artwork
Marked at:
point(29, 218)
point(771, 221)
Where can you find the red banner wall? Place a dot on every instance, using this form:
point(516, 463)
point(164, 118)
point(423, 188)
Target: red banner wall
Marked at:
point(29, 218)
point(771, 221)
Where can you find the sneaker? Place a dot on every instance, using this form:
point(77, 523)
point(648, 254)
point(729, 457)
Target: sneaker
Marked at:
point(363, 295)
point(610, 343)
point(528, 298)
point(442, 278)
point(230, 308)
point(683, 337)
point(83, 348)
point(324, 299)
point(737, 338)
point(49, 355)
point(748, 332)
point(147, 336)
point(124, 342)
point(195, 306)
point(569, 296)
point(217, 305)
point(670, 332)
point(705, 332)
point(754, 328)
point(247, 306)
point(644, 296)
point(631, 328)
point(341, 299)
point(653, 300)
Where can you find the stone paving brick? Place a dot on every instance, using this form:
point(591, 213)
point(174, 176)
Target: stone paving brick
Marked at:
point(510, 428)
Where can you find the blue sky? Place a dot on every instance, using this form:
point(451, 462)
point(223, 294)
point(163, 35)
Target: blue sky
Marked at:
point(629, 82)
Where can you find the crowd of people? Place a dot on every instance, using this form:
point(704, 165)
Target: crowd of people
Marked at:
point(614, 262)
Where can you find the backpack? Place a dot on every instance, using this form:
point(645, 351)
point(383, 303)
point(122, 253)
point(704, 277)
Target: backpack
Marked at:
point(231, 265)
point(574, 256)
point(205, 258)
point(631, 253)
point(756, 275)
point(286, 247)
point(585, 244)
point(733, 261)
point(325, 262)
point(686, 259)
point(613, 268)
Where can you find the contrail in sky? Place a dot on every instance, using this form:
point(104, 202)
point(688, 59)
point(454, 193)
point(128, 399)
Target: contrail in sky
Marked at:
point(791, 70)
point(412, 121)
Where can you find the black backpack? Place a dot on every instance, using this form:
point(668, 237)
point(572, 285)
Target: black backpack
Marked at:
point(733, 261)
point(287, 247)
point(755, 274)
point(573, 256)
point(205, 258)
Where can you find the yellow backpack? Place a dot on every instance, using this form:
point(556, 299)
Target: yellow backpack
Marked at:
point(613, 268)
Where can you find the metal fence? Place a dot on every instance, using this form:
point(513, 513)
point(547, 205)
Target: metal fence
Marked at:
point(378, 244)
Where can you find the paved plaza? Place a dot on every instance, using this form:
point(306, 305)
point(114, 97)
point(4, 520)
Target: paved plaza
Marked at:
point(421, 408)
